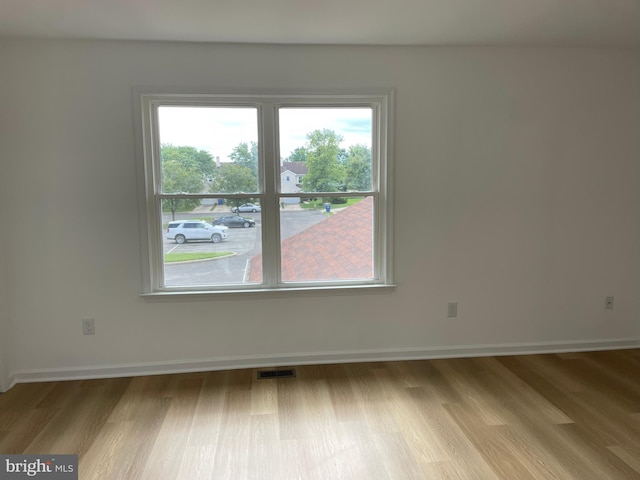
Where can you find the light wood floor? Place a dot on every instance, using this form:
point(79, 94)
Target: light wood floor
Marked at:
point(565, 416)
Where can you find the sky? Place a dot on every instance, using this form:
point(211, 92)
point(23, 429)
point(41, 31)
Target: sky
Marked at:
point(218, 130)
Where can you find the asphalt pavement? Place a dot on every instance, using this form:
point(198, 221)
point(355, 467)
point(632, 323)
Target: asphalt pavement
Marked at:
point(242, 243)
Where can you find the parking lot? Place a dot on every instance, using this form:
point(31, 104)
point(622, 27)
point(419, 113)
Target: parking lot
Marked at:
point(241, 240)
point(244, 243)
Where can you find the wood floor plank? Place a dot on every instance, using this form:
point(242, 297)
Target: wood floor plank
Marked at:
point(266, 459)
point(610, 375)
point(534, 455)
point(584, 439)
point(291, 410)
point(138, 446)
point(516, 395)
point(143, 406)
point(264, 397)
point(573, 416)
point(496, 450)
point(589, 402)
point(428, 376)
point(209, 411)
point(371, 390)
point(232, 451)
point(80, 417)
point(396, 456)
point(172, 437)
point(532, 425)
point(17, 440)
point(197, 462)
point(602, 462)
point(460, 373)
point(415, 425)
point(343, 399)
point(462, 458)
point(102, 459)
point(630, 457)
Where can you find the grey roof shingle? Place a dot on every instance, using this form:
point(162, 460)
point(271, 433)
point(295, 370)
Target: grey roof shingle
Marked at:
point(299, 168)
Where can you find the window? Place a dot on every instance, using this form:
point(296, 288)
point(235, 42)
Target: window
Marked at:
point(215, 164)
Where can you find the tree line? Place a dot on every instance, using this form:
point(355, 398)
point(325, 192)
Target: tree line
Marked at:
point(330, 168)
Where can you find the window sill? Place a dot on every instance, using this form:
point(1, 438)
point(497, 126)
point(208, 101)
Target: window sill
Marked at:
point(269, 293)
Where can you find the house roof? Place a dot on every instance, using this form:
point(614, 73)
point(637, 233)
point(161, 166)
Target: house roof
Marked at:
point(299, 168)
point(338, 248)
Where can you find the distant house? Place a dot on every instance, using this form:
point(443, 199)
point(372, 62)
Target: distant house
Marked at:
point(340, 247)
point(291, 175)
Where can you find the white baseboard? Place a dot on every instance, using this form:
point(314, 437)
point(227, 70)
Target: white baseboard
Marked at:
point(7, 383)
point(263, 361)
point(6, 380)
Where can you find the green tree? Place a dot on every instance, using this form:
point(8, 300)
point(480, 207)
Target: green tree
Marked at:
point(298, 155)
point(184, 170)
point(178, 177)
point(190, 156)
point(324, 172)
point(246, 155)
point(358, 168)
point(234, 178)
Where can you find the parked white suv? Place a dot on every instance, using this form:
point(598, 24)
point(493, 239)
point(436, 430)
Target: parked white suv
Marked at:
point(186, 230)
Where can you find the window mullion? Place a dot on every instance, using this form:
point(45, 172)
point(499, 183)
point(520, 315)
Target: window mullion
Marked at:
point(271, 219)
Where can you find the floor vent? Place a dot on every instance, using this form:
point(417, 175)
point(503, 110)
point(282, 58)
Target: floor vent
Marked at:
point(286, 373)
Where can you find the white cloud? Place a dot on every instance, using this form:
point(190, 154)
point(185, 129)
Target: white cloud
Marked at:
point(218, 130)
point(353, 124)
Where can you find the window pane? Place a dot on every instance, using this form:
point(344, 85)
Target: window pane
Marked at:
point(331, 243)
point(317, 177)
point(325, 149)
point(209, 244)
point(208, 149)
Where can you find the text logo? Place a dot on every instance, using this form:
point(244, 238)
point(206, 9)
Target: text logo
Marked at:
point(50, 467)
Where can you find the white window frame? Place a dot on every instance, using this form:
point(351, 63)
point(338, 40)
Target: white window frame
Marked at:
point(149, 183)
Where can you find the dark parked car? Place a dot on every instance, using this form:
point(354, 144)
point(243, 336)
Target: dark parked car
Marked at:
point(235, 221)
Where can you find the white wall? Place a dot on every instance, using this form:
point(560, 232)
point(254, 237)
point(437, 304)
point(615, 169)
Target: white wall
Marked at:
point(516, 178)
point(6, 336)
point(5, 327)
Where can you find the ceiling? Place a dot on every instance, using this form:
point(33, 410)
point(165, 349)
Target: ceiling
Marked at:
point(592, 23)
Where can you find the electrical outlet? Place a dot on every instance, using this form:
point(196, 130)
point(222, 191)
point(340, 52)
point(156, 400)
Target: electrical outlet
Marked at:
point(88, 326)
point(452, 309)
point(608, 303)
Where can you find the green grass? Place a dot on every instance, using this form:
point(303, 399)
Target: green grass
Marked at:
point(186, 257)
